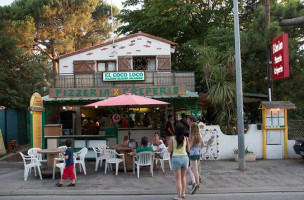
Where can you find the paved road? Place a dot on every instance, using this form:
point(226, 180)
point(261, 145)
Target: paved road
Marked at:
point(233, 196)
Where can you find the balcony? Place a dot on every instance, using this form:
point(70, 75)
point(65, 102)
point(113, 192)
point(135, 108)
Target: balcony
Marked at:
point(186, 79)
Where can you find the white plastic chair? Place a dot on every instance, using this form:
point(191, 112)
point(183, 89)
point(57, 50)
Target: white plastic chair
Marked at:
point(99, 156)
point(80, 159)
point(29, 163)
point(166, 156)
point(33, 152)
point(143, 159)
point(62, 165)
point(111, 158)
point(60, 159)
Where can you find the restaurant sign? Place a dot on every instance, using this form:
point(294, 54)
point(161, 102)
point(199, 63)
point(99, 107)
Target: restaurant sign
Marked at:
point(110, 92)
point(36, 103)
point(123, 76)
point(280, 57)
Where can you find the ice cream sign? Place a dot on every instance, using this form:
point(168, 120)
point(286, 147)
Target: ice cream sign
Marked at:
point(280, 57)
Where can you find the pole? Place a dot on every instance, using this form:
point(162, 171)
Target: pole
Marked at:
point(239, 89)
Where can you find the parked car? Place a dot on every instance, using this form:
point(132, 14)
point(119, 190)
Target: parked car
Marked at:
point(299, 147)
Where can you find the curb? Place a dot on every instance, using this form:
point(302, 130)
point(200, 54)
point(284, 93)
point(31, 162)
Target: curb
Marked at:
point(69, 192)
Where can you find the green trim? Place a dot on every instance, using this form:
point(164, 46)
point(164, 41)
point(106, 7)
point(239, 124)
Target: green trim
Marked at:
point(31, 128)
point(43, 120)
point(110, 110)
point(185, 104)
point(49, 112)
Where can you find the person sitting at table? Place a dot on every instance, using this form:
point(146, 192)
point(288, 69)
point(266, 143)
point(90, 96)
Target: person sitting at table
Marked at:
point(125, 141)
point(144, 147)
point(158, 147)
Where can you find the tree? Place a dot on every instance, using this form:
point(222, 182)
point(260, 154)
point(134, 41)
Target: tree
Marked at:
point(20, 74)
point(54, 27)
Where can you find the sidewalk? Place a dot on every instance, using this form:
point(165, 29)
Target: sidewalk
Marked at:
point(218, 177)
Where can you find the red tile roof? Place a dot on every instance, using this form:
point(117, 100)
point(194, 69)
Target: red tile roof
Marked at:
point(117, 40)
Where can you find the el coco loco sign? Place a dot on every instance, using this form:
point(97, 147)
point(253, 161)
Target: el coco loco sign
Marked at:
point(280, 57)
point(110, 92)
point(123, 76)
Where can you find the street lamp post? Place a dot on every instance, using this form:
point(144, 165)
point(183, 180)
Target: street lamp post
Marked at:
point(239, 89)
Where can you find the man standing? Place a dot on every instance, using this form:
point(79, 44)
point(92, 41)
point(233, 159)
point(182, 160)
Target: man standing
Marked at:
point(169, 128)
point(186, 125)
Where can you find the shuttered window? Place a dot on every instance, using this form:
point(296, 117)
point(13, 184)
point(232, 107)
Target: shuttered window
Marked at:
point(124, 63)
point(164, 63)
point(84, 66)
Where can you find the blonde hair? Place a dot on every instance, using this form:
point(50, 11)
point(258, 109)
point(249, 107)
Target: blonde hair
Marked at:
point(195, 136)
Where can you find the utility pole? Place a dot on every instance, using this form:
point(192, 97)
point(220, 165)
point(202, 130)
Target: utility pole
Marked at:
point(239, 89)
point(269, 62)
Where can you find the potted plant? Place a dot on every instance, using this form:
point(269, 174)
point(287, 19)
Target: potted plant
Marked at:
point(249, 155)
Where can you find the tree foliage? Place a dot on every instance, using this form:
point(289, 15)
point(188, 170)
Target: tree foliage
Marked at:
point(54, 27)
point(204, 32)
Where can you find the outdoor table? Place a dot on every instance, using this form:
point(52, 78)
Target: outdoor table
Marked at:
point(51, 155)
point(128, 157)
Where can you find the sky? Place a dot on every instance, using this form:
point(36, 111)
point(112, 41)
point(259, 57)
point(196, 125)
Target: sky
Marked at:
point(118, 3)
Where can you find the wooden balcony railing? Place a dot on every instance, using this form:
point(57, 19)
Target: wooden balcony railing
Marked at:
point(185, 79)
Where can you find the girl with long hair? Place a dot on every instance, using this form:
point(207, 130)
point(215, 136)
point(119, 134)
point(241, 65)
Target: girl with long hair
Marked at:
point(178, 147)
point(195, 155)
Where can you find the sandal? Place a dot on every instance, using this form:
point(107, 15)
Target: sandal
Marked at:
point(59, 184)
point(184, 196)
point(177, 198)
point(72, 184)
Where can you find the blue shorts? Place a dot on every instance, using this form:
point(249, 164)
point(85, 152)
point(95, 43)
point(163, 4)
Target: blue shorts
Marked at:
point(195, 157)
point(179, 162)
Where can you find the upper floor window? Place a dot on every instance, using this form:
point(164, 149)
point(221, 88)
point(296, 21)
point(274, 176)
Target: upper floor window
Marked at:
point(106, 66)
point(144, 63)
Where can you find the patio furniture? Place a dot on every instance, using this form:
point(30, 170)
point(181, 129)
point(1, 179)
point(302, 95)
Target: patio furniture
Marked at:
point(99, 156)
point(79, 158)
point(59, 159)
point(111, 158)
point(166, 156)
point(29, 163)
point(62, 165)
point(33, 152)
point(143, 159)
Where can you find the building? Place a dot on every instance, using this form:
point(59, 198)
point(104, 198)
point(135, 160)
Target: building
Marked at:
point(139, 63)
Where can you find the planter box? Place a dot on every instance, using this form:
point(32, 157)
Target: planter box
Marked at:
point(249, 157)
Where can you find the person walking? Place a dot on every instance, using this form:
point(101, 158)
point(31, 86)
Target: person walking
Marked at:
point(191, 119)
point(169, 128)
point(69, 165)
point(195, 155)
point(178, 147)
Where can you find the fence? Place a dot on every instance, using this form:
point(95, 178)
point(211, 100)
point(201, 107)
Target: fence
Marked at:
point(14, 125)
point(295, 129)
point(186, 79)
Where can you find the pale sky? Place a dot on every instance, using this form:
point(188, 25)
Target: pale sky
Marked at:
point(118, 3)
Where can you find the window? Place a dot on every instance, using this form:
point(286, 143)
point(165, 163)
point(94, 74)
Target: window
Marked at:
point(144, 63)
point(106, 66)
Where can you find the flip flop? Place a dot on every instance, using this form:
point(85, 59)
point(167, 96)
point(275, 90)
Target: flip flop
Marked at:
point(177, 198)
point(72, 184)
point(59, 184)
point(184, 196)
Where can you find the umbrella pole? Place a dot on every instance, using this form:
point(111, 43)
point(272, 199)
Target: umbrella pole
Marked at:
point(129, 131)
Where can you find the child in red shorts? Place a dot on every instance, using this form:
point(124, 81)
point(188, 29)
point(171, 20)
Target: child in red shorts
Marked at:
point(69, 165)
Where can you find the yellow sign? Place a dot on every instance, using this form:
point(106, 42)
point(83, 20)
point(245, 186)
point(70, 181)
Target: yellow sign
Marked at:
point(36, 103)
point(36, 106)
point(2, 147)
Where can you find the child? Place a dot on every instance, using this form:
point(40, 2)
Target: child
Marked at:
point(69, 165)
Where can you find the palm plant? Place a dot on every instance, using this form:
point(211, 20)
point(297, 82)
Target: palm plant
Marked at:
point(218, 75)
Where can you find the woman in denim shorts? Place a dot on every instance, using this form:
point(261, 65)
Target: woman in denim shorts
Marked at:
point(178, 147)
point(195, 155)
